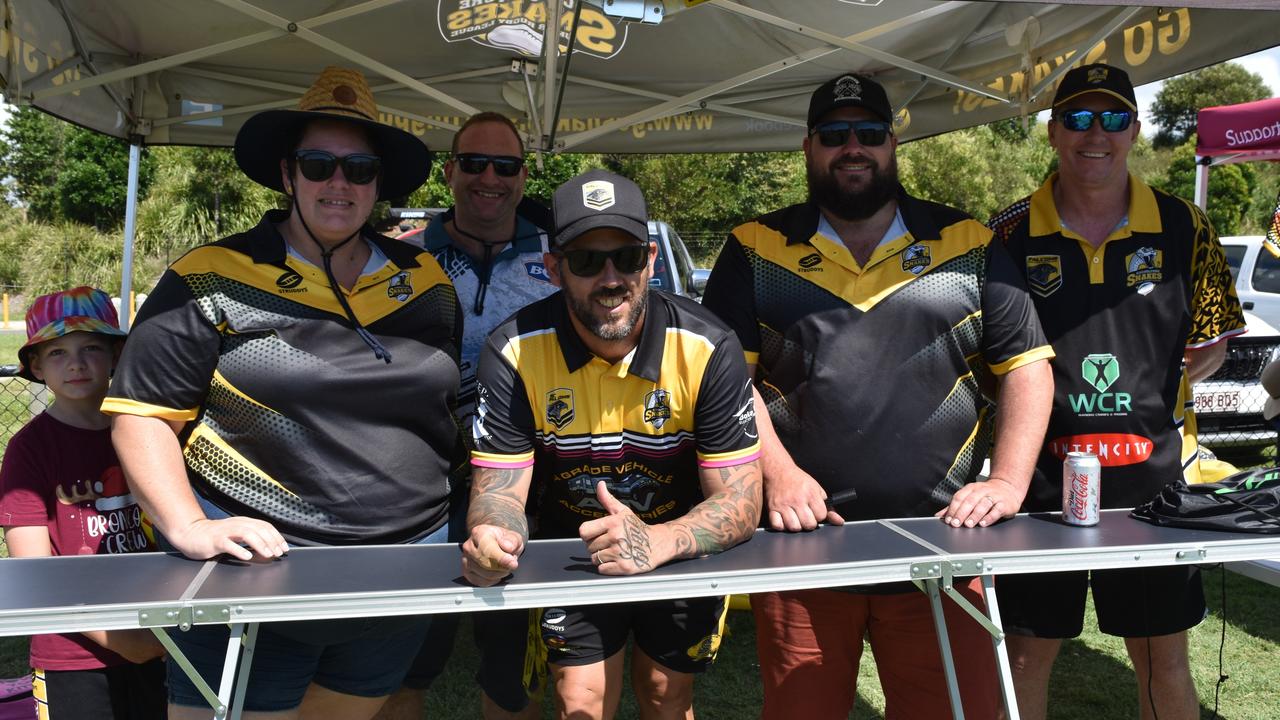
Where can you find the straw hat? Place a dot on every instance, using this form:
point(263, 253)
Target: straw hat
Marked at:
point(82, 309)
point(338, 94)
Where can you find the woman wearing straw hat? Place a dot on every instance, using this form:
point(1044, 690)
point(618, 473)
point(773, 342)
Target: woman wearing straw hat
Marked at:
point(293, 385)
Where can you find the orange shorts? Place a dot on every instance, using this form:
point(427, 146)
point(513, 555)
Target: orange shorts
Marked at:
point(810, 643)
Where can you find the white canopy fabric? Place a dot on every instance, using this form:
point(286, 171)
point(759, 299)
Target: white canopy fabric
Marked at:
point(682, 76)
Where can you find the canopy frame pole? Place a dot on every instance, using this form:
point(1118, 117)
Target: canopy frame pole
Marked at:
point(935, 74)
point(697, 97)
point(304, 32)
point(87, 59)
point(667, 108)
point(1202, 181)
point(130, 225)
point(726, 105)
point(550, 54)
point(1123, 15)
point(950, 53)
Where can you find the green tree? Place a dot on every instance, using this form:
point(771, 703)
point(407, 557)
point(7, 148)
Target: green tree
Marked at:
point(62, 172)
point(32, 156)
point(1230, 189)
point(1178, 101)
point(712, 193)
point(198, 196)
point(979, 170)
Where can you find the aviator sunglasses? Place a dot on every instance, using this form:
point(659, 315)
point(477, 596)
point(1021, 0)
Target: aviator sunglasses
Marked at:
point(1082, 120)
point(475, 163)
point(588, 263)
point(319, 165)
point(871, 133)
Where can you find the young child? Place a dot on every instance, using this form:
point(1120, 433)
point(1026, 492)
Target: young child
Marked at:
point(62, 493)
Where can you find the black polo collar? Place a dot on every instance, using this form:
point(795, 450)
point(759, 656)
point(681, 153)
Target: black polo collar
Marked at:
point(268, 246)
point(646, 362)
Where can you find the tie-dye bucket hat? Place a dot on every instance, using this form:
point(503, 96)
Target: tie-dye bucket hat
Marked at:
point(82, 309)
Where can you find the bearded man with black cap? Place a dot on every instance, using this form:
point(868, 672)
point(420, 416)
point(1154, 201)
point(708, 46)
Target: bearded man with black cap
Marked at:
point(1135, 293)
point(294, 385)
point(880, 328)
point(631, 410)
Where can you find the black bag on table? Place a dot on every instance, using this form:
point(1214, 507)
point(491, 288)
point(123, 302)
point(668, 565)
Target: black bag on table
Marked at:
point(1248, 501)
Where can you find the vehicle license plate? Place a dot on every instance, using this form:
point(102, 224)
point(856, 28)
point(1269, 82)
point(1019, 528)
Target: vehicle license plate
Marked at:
point(1218, 401)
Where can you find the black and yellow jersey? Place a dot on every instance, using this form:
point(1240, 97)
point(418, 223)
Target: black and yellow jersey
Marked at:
point(680, 399)
point(290, 417)
point(1120, 318)
point(878, 377)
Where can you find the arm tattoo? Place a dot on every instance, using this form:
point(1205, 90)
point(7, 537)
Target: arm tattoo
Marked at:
point(635, 545)
point(496, 499)
point(724, 519)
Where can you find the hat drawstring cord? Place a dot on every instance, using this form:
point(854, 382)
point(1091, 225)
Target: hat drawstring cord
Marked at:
point(379, 350)
point(486, 265)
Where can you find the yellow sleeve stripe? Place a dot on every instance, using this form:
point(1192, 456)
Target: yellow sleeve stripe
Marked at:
point(729, 459)
point(121, 406)
point(1044, 352)
point(501, 462)
point(752, 358)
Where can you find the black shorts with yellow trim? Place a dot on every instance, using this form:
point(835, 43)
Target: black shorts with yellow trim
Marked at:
point(681, 635)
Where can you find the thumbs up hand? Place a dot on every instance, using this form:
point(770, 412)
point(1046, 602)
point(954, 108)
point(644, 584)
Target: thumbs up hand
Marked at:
point(620, 544)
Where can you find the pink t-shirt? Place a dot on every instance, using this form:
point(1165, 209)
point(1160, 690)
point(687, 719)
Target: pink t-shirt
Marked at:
point(69, 480)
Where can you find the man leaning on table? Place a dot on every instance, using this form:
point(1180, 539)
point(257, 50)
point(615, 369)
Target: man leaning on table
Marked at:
point(1134, 292)
point(879, 327)
point(631, 412)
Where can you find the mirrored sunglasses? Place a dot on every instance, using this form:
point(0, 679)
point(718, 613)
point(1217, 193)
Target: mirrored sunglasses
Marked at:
point(1081, 120)
point(319, 165)
point(475, 163)
point(588, 263)
point(870, 133)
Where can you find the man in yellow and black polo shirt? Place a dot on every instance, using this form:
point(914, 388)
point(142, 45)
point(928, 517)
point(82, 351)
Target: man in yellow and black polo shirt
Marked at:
point(1135, 294)
point(632, 411)
point(879, 326)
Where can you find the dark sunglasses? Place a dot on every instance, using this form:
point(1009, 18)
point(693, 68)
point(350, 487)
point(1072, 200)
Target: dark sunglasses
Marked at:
point(475, 163)
point(871, 133)
point(588, 263)
point(1081, 120)
point(319, 165)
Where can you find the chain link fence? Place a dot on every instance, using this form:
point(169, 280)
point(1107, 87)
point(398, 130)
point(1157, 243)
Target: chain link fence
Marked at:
point(1230, 402)
point(20, 401)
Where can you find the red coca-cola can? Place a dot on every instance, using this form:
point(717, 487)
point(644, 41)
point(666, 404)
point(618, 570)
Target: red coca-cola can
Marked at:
point(1081, 489)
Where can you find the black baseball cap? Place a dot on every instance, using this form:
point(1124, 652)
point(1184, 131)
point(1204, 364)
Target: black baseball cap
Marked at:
point(1096, 78)
point(599, 199)
point(849, 90)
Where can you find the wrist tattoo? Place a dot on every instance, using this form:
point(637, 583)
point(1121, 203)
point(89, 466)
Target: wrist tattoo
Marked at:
point(634, 545)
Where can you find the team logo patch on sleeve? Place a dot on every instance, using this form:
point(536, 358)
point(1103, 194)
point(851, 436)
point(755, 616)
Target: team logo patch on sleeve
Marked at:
point(1146, 265)
point(657, 407)
point(560, 407)
point(916, 258)
point(399, 288)
point(1044, 274)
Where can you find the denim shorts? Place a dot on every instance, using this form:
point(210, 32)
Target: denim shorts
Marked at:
point(365, 657)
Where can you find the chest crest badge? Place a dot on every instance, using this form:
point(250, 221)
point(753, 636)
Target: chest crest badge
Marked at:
point(1146, 265)
point(916, 258)
point(560, 407)
point(657, 408)
point(399, 287)
point(1044, 274)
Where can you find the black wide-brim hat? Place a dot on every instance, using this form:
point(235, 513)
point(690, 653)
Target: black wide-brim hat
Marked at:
point(338, 94)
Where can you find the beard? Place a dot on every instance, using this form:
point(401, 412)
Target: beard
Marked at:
point(584, 310)
point(826, 192)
